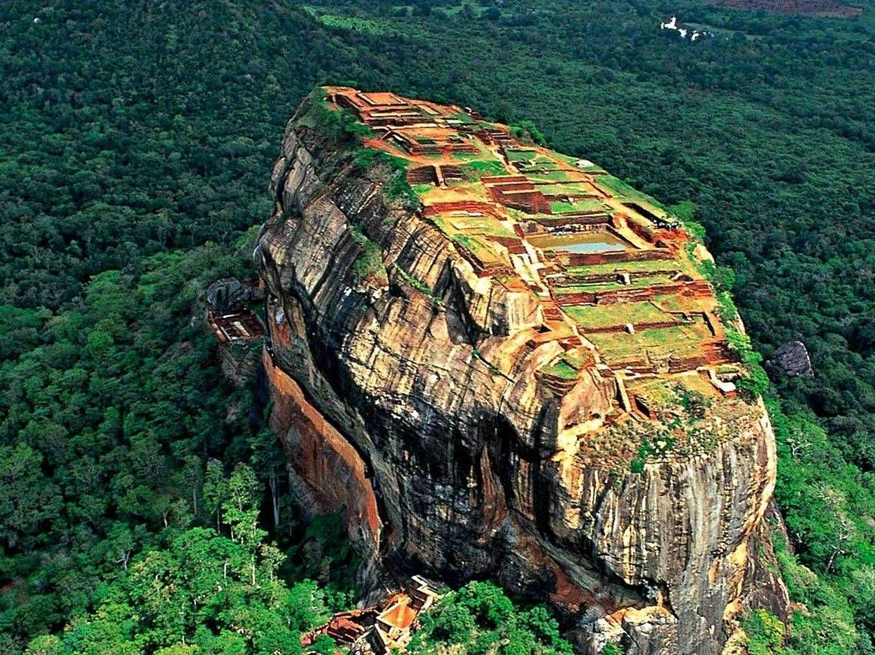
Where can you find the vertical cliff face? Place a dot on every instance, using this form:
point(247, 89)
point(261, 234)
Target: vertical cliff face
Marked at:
point(491, 384)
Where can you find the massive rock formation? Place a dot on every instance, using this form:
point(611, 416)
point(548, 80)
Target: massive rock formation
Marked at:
point(431, 379)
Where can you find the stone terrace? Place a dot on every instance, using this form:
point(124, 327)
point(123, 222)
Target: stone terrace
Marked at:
point(619, 287)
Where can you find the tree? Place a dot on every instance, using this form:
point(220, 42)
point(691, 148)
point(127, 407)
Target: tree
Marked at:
point(195, 596)
point(27, 498)
point(765, 633)
point(479, 619)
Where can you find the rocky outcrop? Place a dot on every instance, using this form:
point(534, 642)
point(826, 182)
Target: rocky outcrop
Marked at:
point(792, 359)
point(407, 391)
point(230, 295)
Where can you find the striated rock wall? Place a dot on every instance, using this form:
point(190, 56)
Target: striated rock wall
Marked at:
point(410, 397)
point(325, 460)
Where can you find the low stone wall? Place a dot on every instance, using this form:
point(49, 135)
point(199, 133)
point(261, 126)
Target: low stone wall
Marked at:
point(639, 327)
point(641, 294)
point(530, 201)
point(583, 219)
point(422, 175)
point(568, 259)
point(463, 206)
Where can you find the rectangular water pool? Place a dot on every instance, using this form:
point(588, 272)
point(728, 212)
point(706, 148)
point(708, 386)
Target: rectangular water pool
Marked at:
point(585, 242)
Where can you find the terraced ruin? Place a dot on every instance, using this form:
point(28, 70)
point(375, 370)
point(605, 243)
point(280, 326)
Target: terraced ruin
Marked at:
point(618, 280)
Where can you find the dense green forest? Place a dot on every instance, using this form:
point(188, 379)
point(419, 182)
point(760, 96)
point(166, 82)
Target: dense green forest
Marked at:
point(136, 140)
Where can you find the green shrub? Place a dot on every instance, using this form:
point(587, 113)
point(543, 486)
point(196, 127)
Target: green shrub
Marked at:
point(370, 262)
point(527, 131)
point(341, 125)
point(479, 619)
point(765, 633)
point(416, 283)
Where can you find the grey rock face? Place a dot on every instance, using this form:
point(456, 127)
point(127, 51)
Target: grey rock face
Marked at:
point(228, 295)
point(792, 359)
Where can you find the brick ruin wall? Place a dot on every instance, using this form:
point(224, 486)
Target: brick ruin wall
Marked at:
point(569, 259)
